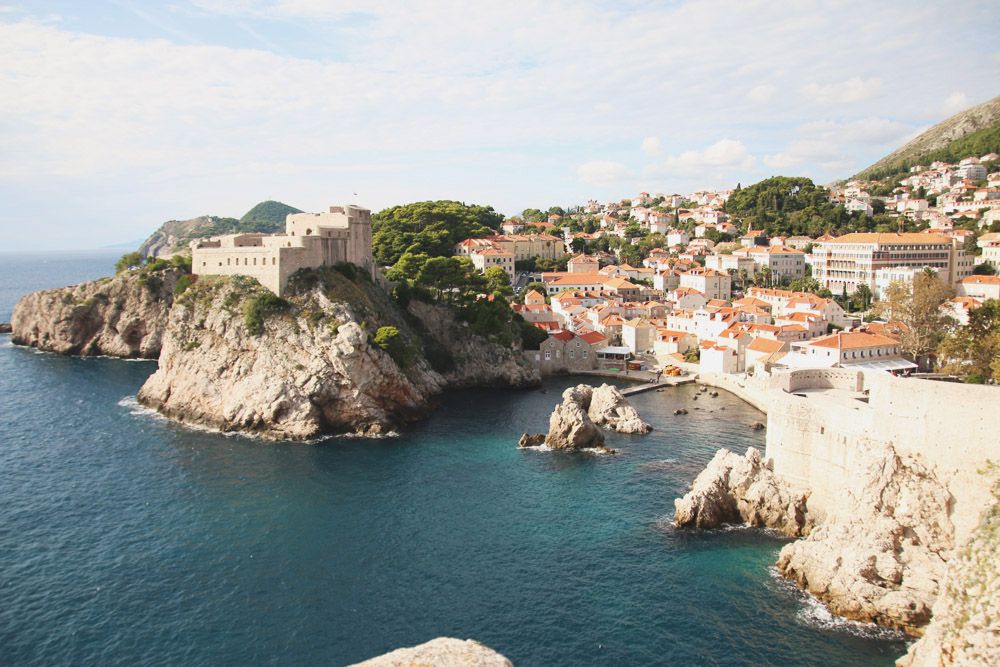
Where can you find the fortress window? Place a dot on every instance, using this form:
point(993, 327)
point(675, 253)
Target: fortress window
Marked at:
point(255, 261)
point(274, 260)
point(228, 260)
point(309, 231)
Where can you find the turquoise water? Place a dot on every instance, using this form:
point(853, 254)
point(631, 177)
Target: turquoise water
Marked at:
point(126, 539)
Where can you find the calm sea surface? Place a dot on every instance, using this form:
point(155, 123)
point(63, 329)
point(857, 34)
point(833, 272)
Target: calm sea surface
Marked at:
point(125, 539)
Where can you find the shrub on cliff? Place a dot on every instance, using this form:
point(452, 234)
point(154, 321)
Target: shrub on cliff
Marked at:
point(129, 260)
point(390, 340)
point(259, 308)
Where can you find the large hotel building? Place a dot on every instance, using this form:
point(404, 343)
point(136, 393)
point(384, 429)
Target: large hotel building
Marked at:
point(861, 259)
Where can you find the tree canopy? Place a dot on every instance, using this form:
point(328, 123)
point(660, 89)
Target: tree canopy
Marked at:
point(792, 206)
point(430, 227)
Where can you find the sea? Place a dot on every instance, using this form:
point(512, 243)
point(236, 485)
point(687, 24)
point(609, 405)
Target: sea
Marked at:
point(126, 539)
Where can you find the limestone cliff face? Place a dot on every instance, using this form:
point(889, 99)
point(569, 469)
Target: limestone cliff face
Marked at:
point(311, 370)
point(965, 628)
point(880, 553)
point(124, 316)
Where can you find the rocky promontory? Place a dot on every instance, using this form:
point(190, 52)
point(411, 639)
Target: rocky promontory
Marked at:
point(337, 355)
point(123, 316)
point(574, 424)
point(440, 652)
point(740, 489)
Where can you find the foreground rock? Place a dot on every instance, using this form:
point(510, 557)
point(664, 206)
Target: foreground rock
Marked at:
point(965, 627)
point(608, 407)
point(440, 652)
point(740, 489)
point(5, 327)
point(237, 359)
point(880, 554)
point(124, 316)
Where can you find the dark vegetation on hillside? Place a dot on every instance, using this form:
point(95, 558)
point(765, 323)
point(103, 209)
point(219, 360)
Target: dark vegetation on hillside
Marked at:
point(431, 228)
point(793, 206)
point(267, 217)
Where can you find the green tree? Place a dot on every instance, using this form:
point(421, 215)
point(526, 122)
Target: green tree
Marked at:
point(917, 306)
point(130, 260)
point(972, 351)
point(390, 340)
point(430, 227)
point(984, 269)
point(498, 281)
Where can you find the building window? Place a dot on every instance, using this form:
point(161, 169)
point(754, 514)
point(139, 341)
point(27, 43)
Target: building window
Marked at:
point(548, 355)
point(572, 354)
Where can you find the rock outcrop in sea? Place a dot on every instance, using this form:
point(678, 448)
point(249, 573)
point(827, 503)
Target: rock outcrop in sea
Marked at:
point(608, 407)
point(574, 424)
point(236, 358)
point(741, 489)
point(879, 553)
point(123, 316)
point(440, 652)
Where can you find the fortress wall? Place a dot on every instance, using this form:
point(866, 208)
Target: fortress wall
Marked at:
point(257, 262)
point(952, 428)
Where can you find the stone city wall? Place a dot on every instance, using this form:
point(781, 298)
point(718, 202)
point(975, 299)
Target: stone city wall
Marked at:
point(813, 440)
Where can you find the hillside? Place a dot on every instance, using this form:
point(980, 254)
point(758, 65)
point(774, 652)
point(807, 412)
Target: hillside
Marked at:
point(265, 218)
point(973, 131)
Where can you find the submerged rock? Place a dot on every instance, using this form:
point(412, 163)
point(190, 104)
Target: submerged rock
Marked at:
point(740, 489)
point(440, 652)
point(531, 440)
point(5, 327)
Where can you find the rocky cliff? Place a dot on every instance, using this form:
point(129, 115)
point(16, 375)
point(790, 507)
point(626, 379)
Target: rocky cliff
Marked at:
point(124, 316)
point(440, 652)
point(878, 555)
point(965, 626)
point(237, 358)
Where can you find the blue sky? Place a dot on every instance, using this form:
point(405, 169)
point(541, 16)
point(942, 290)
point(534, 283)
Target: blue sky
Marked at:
point(116, 116)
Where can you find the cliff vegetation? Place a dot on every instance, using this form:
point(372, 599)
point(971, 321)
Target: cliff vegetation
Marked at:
point(431, 228)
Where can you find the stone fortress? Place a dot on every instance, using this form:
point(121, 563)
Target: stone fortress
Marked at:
point(342, 234)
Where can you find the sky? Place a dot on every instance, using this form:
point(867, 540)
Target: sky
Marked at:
point(116, 116)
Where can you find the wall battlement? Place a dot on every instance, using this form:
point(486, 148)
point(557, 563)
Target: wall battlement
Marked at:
point(342, 234)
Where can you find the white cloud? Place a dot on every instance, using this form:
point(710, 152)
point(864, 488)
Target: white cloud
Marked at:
point(723, 153)
point(762, 94)
point(955, 103)
point(651, 146)
point(603, 173)
point(854, 89)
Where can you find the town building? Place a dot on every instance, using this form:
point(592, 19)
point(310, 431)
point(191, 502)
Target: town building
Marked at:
point(844, 263)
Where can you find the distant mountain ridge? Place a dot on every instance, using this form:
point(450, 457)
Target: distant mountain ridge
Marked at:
point(978, 126)
point(267, 217)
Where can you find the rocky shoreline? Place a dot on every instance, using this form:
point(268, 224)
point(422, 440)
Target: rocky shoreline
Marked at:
point(885, 553)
